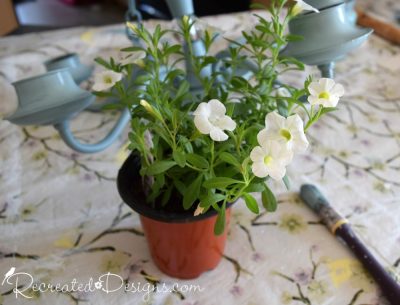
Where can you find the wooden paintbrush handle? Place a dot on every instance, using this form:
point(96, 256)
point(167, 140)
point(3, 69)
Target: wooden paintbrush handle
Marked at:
point(382, 29)
point(389, 287)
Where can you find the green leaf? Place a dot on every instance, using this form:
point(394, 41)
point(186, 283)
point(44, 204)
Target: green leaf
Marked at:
point(186, 144)
point(292, 61)
point(102, 62)
point(255, 188)
point(220, 182)
point(328, 109)
point(239, 82)
point(197, 161)
point(286, 181)
point(180, 186)
point(230, 108)
point(210, 199)
point(192, 192)
point(159, 167)
point(262, 28)
point(176, 48)
point(230, 159)
point(261, 43)
point(167, 195)
point(292, 37)
point(251, 203)
point(183, 89)
point(282, 108)
point(179, 157)
point(132, 49)
point(268, 200)
point(229, 171)
point(162, 133)
point(207, 60)
point(244, 166)
point(159, 182)
point(219, 226)
point(111, 106)
point(103, 94)
point(173, 74)
point(142, 79)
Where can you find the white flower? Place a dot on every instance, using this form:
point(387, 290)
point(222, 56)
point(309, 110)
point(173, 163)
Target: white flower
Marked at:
point(105, 80)
point(210, 118)
point(287, 131)
point(302, 6)
point(132, 58)
point(325, 92)
point(270, 159)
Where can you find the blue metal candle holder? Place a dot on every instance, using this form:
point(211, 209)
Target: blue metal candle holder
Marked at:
point(336, 36)
point(71, 62)
point(48, 99)
point(54, 98)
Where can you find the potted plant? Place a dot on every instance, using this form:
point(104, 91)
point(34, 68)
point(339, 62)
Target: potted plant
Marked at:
point(196, 152)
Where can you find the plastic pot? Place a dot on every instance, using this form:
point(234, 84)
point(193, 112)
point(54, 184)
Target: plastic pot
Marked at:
point(181, 245)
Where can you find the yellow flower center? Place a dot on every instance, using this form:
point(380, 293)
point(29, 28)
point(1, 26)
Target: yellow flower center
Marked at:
point(107, 80)
point(324, 95)
point(296, 10)
point(286, 134)
point(267, 160)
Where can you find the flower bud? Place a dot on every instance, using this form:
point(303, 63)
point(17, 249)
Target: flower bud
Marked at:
point(150, 109)
point(185, 19)
point(147, 106)
point(133, 27)
point(199, 210)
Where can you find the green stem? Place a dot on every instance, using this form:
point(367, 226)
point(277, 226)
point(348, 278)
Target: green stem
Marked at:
point(314, 118)
point(240, 192)
point(193, 167)
point(212, 159)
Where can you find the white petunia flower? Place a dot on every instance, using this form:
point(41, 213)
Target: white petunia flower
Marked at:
point(105, 80)
point(287, 131)
point(210, 118)
point(301, 6)
point(270, 159)
point(325, 92)
point(132, 58)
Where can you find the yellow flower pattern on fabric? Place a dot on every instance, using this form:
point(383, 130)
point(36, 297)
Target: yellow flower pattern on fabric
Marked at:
point(66, 241)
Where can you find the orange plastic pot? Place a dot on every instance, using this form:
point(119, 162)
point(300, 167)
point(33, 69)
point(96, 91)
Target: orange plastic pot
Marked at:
point(181, 245)
point(185, 250)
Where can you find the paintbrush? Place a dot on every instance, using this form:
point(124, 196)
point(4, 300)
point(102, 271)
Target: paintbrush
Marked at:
point(383, 29)
point(340, 227)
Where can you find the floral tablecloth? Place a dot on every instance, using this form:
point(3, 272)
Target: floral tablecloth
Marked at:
point(63, 222)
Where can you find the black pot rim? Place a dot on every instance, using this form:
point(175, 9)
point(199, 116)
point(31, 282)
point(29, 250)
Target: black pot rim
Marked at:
point(133, 196)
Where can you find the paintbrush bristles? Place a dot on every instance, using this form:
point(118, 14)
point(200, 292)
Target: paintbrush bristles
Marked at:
point(312, 197)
